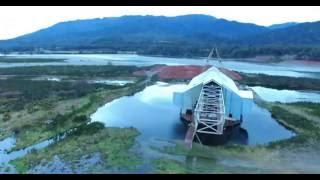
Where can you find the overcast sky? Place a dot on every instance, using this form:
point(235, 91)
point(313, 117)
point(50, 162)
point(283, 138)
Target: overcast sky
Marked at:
point(15, 21)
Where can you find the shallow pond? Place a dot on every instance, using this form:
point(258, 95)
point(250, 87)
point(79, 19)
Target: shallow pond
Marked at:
point(153, 113)
point(286, 96)
point(7, 144)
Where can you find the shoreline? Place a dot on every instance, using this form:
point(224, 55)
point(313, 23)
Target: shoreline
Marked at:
point(257, 60)
point(244, 59)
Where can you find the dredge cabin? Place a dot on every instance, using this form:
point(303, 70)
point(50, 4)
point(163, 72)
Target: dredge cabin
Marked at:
point(211, 102)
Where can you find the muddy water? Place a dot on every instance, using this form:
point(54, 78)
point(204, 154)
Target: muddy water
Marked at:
point(153, 113)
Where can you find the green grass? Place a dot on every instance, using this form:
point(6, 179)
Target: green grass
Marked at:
point(27, 112)
point(298, 123)
point(30, 123)
point(269, 158)
point(280, 82)
point(215, 152)
point(313, 108)
point(166, 166)
point(28, 134)
point(27, 91)
point(205, 159)
point(6, 59)
point(73, 70)
point(111, 143)
point(306, 129)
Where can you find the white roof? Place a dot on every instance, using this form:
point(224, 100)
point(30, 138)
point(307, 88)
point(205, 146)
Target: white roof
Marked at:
point(220, 78)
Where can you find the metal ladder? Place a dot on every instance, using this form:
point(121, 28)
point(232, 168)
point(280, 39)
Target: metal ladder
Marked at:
point(208, 113)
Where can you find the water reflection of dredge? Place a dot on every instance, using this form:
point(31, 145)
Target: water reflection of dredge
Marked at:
point(210, 104)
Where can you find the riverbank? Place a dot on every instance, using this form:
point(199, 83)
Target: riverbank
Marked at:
point(279, 82)
point(276, 157)
point(107, 146)
point(254, 59)
point(13, 59)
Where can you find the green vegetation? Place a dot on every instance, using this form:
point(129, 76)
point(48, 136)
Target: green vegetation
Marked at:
point(78, 71)
point(313, 108)
point(37, 110)
point(68, 118)
point(276, 157)
point(299, 121)
point(280, 82)
point(16, 93)
point(276, 51)
point(167, 166)
point(229, 50)
point(12, 59)
point(111, 143)
point(206, 159)
point(177, 37)
point(64, 107)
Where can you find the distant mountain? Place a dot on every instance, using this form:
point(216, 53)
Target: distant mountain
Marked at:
point(188, 36)
point(300, 34)
point(283, 25)
point(103, 32)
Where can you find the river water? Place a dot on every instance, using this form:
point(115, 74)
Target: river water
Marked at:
point(277, 69)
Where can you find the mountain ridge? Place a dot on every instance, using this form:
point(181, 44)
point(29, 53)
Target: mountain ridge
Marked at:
point(184, 35)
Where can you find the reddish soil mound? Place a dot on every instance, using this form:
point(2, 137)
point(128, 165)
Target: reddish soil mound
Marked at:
point(174, 72)
point(184, 72)
point(232, 74)
point(179, 72)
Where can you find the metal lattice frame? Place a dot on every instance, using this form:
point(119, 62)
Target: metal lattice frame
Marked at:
point(210, 110)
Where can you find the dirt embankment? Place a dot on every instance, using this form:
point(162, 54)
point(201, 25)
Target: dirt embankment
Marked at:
point(232, 74)
point(183, 72)
point(174, 72)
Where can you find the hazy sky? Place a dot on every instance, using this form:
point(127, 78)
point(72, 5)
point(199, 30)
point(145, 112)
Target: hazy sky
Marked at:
point(15, 21)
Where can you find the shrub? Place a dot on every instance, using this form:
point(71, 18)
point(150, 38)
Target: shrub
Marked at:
point(80, 118)
point(6, 116)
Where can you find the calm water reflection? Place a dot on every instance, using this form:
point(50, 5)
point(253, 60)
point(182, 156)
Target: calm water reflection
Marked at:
point(153, 113)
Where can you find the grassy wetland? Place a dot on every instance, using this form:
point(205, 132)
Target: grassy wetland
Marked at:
point(54, 104)
point(36, 110)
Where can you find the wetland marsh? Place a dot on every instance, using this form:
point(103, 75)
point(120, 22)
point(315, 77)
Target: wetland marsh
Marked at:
point(54, 119)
